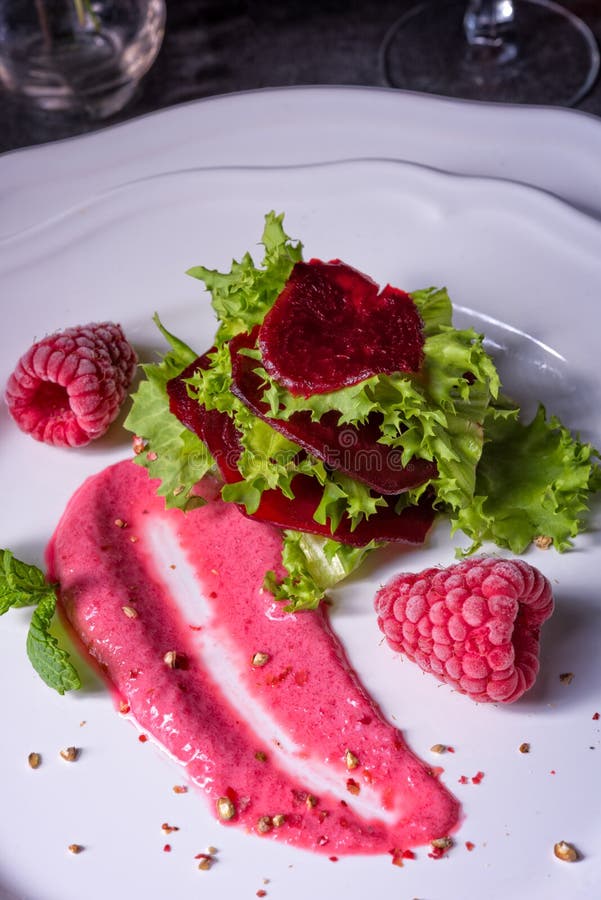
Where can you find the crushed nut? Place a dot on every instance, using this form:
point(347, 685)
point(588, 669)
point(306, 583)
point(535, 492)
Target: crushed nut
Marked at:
point(70, 754)
point(139, 444)
point(353, 787)
point(261, 756)
point(175, 660)
point(351, 760)
point(437, 748)
point(278, 820)
point(225, 808)
point(75, 848)
point(169, 829)
point(206, 861)
point(524, 748)
point(311, 801)
point(120, 523)
point(566, 677)
point(259, 659)
point(566, 852)
point(264, 824)
point(543, 541)
point(180, 789)
point(178, 490)
point(34, 760)
point(442, 843)
point(130, 612)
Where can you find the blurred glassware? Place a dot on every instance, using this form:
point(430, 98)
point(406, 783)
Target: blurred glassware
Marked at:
point(527, 51)
point(78, 56)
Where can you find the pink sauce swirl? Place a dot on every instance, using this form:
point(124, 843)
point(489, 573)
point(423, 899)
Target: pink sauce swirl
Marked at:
point(260, 706)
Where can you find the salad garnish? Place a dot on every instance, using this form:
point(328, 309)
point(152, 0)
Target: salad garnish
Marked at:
point(458, 443)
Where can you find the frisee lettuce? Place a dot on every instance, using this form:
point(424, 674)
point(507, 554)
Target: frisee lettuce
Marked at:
point(21, 585)
point(498, 479)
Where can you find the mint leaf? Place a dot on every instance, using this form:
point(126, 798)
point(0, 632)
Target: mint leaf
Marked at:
point(20, 584)
point(50, 661)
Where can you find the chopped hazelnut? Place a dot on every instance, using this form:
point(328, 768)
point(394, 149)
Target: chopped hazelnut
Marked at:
point(351, 760)
point(264, 824)
point(259, 659)
point(70, 754)
point(437, 748)
point(566, 852)
point(543, 541)
point(34, 760)
point(525, 747)
point(225, 808)
point(278, 820)
point(130, 612)
point(120, 523)
point(442, 843)
point(311, 801)
point(566, 677)
point(139, 444)
point(75, 848)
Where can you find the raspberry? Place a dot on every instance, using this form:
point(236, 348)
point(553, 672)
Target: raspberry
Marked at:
point(475, 625)
point(68, 388)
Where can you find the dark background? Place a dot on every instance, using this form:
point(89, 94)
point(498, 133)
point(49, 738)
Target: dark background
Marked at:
point(218, 46)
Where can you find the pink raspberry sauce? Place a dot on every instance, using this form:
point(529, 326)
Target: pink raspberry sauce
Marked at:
point(260, 706)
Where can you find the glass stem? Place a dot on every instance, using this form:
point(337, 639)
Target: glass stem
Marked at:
point(488, 23)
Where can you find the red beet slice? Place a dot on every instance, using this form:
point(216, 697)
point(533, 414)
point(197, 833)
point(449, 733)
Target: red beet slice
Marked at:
point(411, 526)
point(221, 436)
point(215, 428)
point(330, 327)
point(351, 449)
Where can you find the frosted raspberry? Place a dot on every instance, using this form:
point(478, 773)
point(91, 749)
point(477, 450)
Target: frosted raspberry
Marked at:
point(475, 625)
point(68, 388)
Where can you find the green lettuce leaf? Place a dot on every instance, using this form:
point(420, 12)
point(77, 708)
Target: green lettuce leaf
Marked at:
point(313, 564)
point(242, 296)
point(172, 453)
point(533, 481)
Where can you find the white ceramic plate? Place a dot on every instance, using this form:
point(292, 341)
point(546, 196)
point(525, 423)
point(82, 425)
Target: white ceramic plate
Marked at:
point(525, 269)
point(554, 149)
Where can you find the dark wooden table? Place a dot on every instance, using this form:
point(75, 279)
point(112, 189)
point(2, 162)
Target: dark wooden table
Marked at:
point(219, 46)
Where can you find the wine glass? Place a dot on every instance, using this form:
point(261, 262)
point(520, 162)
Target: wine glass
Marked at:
point(527, 51)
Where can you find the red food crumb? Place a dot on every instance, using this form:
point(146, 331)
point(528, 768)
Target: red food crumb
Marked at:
point(450, 749)
point(333, 858)
point(552, 772)
point(142, 738)
point(475, 625)
point(261, 893)
point(68, 388)
point(167, 848)
point(469, 846)
point(476, 779)
point(462, 779)
point(180, 789)
point(596, 716)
